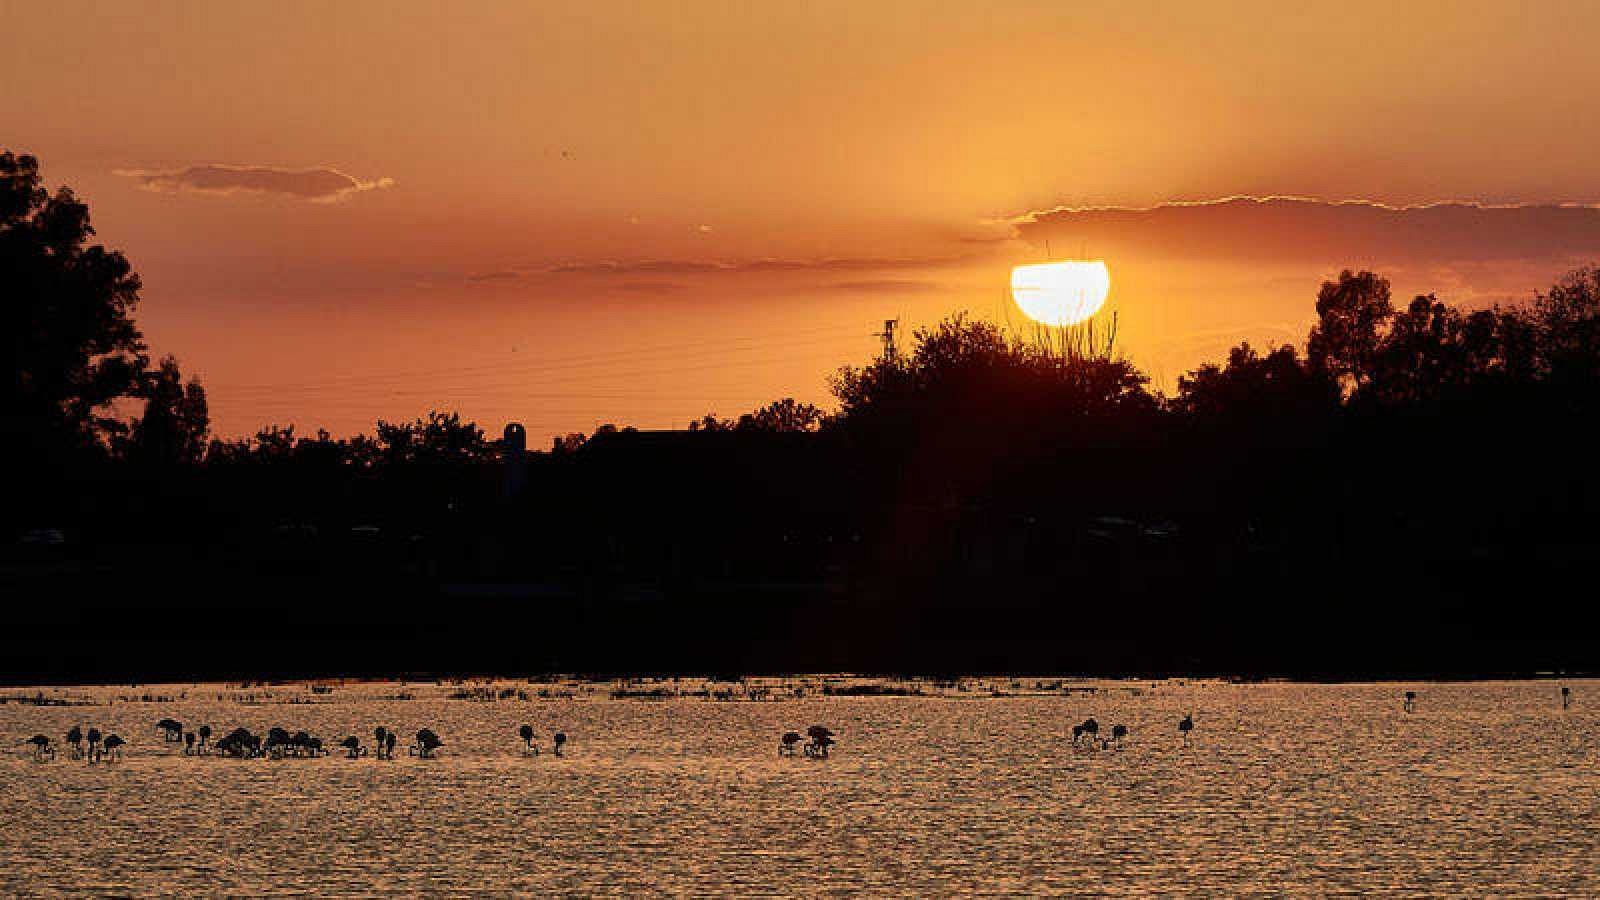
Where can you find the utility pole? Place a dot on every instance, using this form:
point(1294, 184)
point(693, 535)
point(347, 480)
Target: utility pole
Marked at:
point(889, 351)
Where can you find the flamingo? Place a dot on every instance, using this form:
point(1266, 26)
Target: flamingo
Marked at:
point(1118, 734)
point(171, 729)
point(1090, 728)
point(41, 747)
point(791, 739)
point(527, 735)
point(353, 748)
point(1566, 698)
point(114, 747)
point(75, 741)
point(94, 744)
point(1411, 701)
point(560, 741)
point(821, 741)
point(205, 736)
point(379, 739)
point(1186, 725)
point(278, 742)
point(427, 744)
point(188, 743)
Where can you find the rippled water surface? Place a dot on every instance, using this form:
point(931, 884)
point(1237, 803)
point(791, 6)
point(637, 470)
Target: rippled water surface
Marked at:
point(1487, 788)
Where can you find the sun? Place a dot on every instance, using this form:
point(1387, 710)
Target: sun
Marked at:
point(1061, 293)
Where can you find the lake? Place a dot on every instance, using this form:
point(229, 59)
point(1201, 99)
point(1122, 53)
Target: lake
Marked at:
point(965, 787)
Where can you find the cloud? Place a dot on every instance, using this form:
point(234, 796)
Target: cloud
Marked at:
point(1295, 229)
point(317, 185)
point(651, 287)
point(885, 286)
point(694, 266)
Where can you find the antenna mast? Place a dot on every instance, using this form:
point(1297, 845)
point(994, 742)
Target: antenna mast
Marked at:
point(887, 334)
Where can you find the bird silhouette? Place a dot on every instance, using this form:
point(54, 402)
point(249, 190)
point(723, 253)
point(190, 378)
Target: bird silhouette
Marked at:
point(114, 746)
point(560, 741)
point(1186, 725)
point(821, 743)
point(75, 742)
point(1411, 701)
point(788, 743)
point(94, 745)
point(1090, 729)
point(427, 744)
point(41, 747)
point(527, 735)
point(1119, 733)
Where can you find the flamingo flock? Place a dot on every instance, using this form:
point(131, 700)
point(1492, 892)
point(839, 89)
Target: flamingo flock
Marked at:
point(277, 743)
point(818, 741)
point(92, 746)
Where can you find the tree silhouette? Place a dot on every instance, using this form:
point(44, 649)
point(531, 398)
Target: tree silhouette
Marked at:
point(1255, 388)
point(173, 428)
point(71, 345)
point(1351, 315)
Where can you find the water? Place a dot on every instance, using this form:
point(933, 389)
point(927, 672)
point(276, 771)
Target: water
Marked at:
point(1487, 788)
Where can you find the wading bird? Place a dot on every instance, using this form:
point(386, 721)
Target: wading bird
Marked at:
point(788, 743)
point(75, 742)
point(94, 745)
point(41, 747)
point(188, 743)
point(560, 741)
point(427, 743)
point(352, 747)
point(205, 737)
point(1566, 698)
point(821, 742)
point(1411, 701)
point(1089, 729)
point(1118, 734)
point(1186, 725)
point(379, 737)
point(527, 735)
point(171, 730)
point(114, 746)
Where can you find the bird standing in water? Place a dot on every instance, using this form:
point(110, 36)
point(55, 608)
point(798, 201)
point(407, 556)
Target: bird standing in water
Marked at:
point(1566, 698)
point(527, 735)
point(1186, 725)
point(1411, 701)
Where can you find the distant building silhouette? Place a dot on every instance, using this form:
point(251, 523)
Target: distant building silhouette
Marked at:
point(515, 453)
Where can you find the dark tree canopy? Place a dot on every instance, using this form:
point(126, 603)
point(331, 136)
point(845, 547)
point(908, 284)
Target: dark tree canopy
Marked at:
point(71, 347)
point(175, 422)
point(1351, 314)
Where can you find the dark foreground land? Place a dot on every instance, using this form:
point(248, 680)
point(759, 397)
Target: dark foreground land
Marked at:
point(684, 552)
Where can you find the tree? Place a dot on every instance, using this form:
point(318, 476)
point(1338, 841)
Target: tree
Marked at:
point(1266, 390)
point(173, 428)
point(70, 346)
point(786, 416)
point(1351, 315)
point(441, 438)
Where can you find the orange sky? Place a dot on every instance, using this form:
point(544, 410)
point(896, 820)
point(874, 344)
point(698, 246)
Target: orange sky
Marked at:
point(575, 213)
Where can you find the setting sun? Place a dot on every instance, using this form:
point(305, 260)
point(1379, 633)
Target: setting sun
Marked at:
point(1061, 293)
